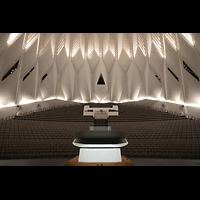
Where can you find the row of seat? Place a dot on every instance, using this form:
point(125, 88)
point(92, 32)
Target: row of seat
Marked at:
point(49, 134)
point(74, 113)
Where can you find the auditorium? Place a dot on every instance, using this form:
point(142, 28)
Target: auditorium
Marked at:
point(99, 99)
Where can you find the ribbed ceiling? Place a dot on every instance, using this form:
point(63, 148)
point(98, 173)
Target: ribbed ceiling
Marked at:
point(67, 66)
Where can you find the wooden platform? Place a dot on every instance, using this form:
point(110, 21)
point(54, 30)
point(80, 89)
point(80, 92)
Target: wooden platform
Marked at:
point(125, 162)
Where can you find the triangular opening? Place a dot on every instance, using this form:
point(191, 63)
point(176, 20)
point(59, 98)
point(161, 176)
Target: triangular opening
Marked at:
point(101, 80)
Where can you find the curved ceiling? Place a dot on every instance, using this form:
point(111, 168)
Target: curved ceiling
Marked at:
point(67, 66)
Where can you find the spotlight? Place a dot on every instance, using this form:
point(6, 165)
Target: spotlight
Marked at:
point(19, 108)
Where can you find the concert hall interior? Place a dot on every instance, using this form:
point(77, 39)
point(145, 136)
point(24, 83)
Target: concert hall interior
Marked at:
point(99, 99)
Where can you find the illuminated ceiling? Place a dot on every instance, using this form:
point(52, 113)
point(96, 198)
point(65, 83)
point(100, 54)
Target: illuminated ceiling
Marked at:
point(67, 66)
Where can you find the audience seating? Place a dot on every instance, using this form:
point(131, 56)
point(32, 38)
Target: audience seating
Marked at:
point(49, 134)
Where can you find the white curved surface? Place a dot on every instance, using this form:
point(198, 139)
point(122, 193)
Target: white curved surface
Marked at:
point(99, 145)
